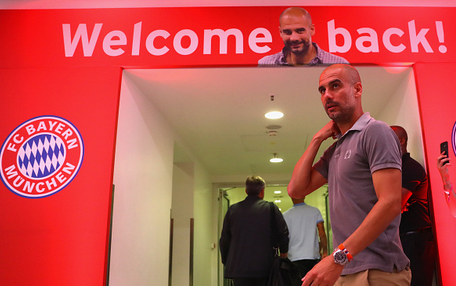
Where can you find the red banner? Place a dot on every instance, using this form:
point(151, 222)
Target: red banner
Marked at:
point(218, 36)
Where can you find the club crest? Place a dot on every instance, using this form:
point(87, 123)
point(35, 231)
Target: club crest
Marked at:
point(41, 157)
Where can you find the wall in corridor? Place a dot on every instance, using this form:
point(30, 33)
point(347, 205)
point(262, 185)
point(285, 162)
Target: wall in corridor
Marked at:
point(145, 178)
point(142, 202)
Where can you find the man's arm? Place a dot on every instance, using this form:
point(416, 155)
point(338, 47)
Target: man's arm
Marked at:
point(305, 179)
point(406, 194)
point(387, 184)
point(225, 238)
point(283, 233)
point(442, 165)
point(323, 241)
point(443, 162)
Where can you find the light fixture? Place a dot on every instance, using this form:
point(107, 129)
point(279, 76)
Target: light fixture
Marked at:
point(275, 159)
point(274, 115)
point(277, 201)
point(277, 192)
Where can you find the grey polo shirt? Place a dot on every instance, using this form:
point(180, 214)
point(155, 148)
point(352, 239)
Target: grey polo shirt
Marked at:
point(370, 145)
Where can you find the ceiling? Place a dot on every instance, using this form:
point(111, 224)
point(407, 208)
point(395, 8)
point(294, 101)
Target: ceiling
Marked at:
point(219, 112)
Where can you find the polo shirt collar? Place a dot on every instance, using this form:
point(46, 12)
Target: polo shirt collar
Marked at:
point(359, 124)
point(300, 204)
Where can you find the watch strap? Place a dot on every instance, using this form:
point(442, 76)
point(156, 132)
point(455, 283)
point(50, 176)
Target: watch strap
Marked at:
point(342, 248)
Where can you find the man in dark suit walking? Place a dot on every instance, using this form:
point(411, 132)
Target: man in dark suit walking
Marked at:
point(246, 241)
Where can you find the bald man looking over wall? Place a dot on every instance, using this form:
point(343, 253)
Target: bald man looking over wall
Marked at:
point(363, 172)
point(296, 30)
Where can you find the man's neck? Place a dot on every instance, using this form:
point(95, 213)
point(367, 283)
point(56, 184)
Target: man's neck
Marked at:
point(345, 126)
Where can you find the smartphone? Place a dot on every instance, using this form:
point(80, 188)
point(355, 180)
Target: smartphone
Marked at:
point(444, 149)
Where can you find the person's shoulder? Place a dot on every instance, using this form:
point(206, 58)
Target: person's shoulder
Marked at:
point(287, 213)
point(314, 209)
point(270, 59)
point(334, 59)
point(341, 59)
point(374, 125)
point(409, 161)
point(328, 58)
point(379, 129)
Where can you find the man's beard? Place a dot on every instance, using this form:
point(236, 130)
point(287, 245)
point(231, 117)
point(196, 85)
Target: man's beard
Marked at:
point(303, 50)
point(343, 115)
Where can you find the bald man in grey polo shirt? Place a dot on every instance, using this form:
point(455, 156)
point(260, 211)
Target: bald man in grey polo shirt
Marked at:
point(363, 172)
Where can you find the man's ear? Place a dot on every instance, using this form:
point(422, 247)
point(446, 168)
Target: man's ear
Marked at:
point(312, 29)
point(358, 89)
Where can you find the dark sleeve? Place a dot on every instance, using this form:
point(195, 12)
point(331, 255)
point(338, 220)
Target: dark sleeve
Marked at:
point(412, 176)
point(225, 238)
point(282, 228)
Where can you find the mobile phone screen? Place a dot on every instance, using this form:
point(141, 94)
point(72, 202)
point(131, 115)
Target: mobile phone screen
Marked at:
point(444, 148)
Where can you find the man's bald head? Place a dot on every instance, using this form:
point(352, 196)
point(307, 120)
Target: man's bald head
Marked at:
point(295, 12)
point(402, 136)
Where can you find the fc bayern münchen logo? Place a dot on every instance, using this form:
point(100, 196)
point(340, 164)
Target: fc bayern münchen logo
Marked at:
point(41, 157)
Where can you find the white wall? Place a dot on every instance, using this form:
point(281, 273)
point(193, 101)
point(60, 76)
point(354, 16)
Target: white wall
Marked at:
point(182, 214)
point(143, 181)
point(145, 177)
point(403, 110)
point(206, 238)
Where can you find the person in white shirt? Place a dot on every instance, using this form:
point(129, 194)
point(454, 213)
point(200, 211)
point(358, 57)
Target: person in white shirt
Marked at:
point(306, 248)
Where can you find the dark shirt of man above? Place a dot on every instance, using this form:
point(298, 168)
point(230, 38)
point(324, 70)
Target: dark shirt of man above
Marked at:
point(246, 242)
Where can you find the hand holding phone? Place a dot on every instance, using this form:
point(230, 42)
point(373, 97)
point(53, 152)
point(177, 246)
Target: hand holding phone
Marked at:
point(444, 149)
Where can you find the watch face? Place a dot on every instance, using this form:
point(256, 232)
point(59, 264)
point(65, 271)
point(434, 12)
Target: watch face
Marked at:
point(340, 257)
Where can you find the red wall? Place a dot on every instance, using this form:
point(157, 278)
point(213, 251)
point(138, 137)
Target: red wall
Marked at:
point(437, 102)
point(61, 239)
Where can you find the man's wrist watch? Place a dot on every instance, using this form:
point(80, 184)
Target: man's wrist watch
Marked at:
point(341, 255)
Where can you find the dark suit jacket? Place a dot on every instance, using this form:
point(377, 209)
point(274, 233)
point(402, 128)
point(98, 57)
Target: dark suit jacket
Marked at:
point(246, 240)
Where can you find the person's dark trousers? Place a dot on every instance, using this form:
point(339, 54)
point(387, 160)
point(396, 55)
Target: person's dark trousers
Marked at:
point(262, 281)
point(420, 249)
point(304, 266)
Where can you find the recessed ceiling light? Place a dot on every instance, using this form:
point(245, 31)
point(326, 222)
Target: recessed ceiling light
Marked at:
point(275, 159)
point(277, 192)
point(274, 115)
